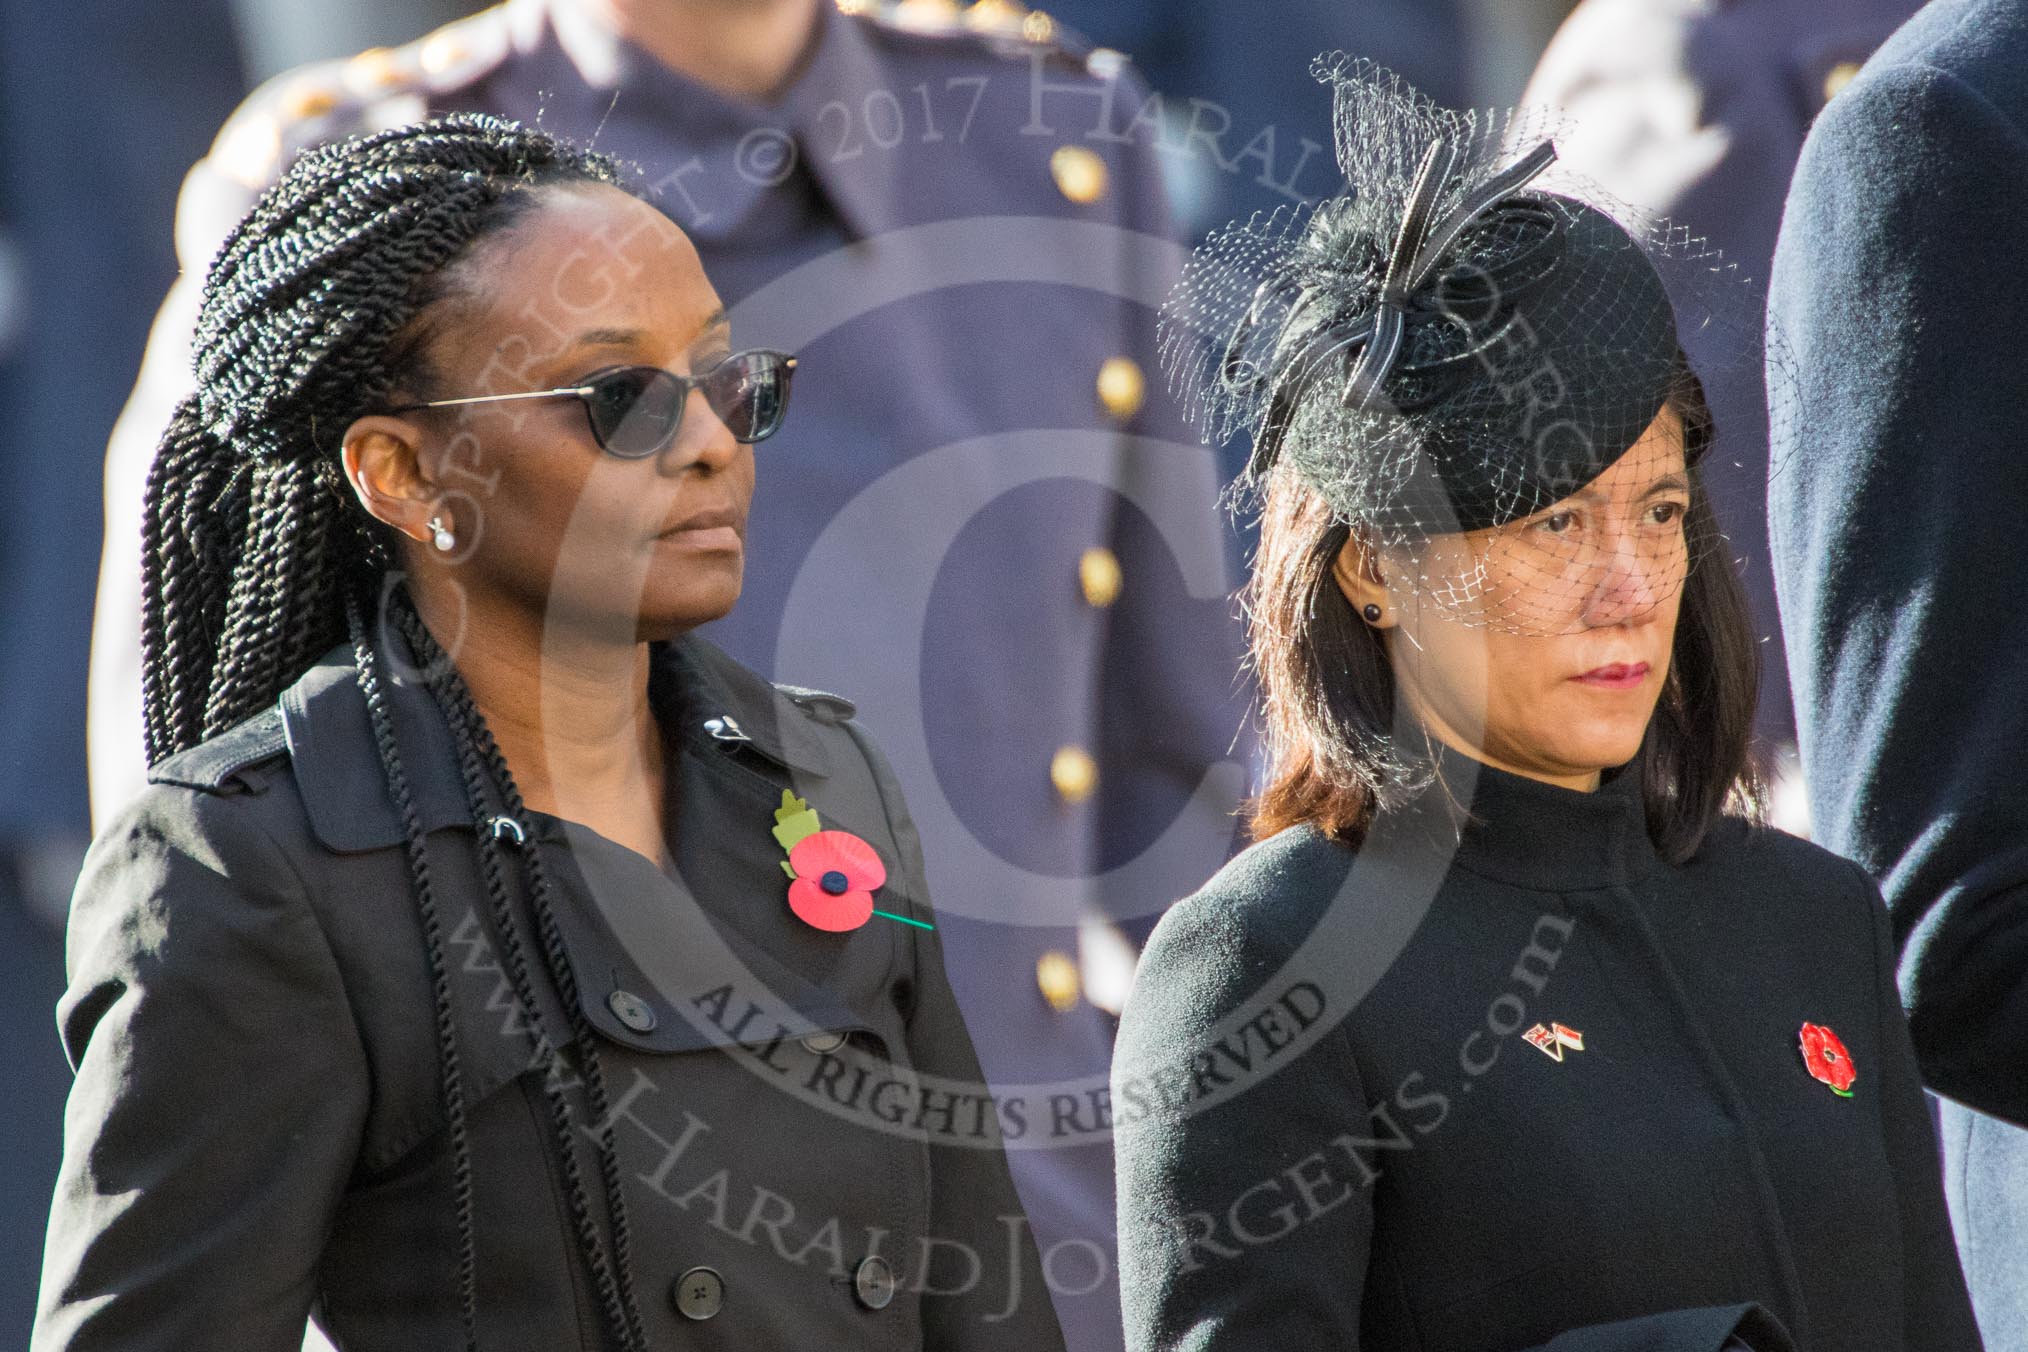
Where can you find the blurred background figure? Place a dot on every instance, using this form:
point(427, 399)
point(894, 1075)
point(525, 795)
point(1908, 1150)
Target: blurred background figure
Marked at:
point(1243, 129)
point(99, 104)
point(101, 108)
point(1243, 132)
point(280, 35)
point(1697, 111)
point(1897, 550)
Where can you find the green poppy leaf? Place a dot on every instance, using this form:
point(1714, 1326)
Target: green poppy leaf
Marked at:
point(795, 821)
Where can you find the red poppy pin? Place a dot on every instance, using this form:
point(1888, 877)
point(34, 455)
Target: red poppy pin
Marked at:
point(1827, 1059)
point(834, 873)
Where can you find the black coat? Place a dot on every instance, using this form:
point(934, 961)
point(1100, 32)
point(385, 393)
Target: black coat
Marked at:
point(1334, 1131)
point(258, 1123)
point(1900, 564)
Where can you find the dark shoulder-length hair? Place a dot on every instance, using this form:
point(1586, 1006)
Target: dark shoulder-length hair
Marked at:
point(1328, 689)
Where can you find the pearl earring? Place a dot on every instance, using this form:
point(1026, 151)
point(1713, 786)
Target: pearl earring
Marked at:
point(441, 537)
point(1372, 612)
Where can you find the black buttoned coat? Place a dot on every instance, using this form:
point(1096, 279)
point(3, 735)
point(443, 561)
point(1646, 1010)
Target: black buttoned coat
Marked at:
point(258, 1127)
point(1527, 1086)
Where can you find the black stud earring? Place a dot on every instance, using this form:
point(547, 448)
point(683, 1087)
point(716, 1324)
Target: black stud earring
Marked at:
point(1372, 613)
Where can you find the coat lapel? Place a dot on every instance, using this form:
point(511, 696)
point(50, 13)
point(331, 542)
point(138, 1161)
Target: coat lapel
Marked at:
point(631, 931)
point(686, 957)
point(337, 763)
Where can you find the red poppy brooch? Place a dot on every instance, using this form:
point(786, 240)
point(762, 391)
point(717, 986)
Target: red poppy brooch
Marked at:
point(1827, 1059)
point(834, 873)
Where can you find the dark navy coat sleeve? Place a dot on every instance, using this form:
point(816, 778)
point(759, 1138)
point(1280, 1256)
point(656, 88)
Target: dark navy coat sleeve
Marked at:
point(221, 1090)
point(1897, 530)
point(1934, 1285)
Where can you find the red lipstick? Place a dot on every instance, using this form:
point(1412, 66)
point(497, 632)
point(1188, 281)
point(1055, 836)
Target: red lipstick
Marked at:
point(1615, 676)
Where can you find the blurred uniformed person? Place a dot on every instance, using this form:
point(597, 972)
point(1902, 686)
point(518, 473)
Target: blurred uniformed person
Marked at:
point(101, 106)
point(983, 521)
point(1243, 144)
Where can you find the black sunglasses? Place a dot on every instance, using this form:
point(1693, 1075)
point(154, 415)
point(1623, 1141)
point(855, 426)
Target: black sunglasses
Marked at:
point(636, 411)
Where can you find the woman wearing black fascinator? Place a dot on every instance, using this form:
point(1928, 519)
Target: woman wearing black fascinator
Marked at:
point(1515, 1029)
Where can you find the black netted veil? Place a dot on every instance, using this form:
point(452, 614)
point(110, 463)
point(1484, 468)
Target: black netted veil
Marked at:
point(1459, 341)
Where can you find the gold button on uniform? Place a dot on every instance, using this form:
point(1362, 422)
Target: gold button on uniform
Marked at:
point(1098, 572)
point(1104, 63)
point(1838, 77)
point(308, 100)
point(1074, 773)
point(924, 16)
point(1121, 387)
point(995, 16)
point(376, 68)
point(1080, 175)
point(248, 151)
point(1056, 977)
point(1038, 27)
point(442, 52)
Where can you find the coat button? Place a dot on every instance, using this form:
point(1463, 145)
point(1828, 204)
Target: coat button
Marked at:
point(1056, 977)
point(1079, 173)
point(873, 1283)
point(631, 1010)
point(1074, 773)
point(823, 1043)
point(1098, 573)
point(1838, 77)
point(698, 1293)
point(1038, 27)
point(1121, 387)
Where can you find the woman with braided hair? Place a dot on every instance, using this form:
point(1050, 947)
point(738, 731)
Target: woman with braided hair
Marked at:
point(491, 962)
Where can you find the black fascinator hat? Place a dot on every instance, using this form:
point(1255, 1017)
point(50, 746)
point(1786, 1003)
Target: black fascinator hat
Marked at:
point(1457, 341)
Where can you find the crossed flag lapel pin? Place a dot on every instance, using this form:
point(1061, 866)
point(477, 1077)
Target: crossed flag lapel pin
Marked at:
point(1552, 1040)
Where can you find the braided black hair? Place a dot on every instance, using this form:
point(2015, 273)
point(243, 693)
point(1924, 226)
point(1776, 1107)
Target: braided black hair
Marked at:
point(309, 319)
point(319, 306)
